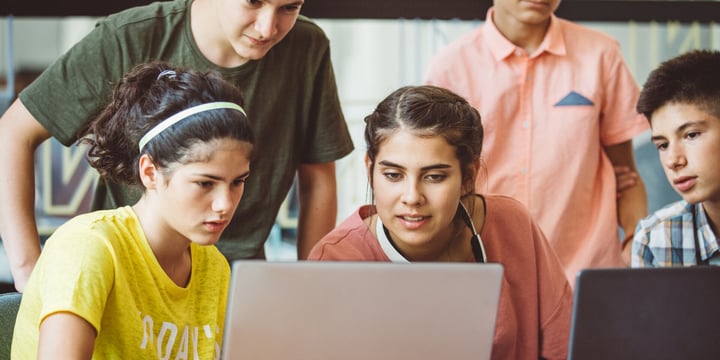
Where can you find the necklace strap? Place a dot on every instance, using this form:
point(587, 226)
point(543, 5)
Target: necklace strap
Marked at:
point(475, 241)
point(389, 249)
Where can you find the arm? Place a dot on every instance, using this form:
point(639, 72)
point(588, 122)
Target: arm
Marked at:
point(20, 135)
point(66, 336)
point(318, 204)
point(632, 204)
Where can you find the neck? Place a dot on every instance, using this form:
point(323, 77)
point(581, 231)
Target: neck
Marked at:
point(456, 248)
point(209, 37)
point(170, 249)
point(525, 36)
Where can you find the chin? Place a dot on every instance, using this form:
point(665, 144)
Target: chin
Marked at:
point(693, 199)
point(206, 241)
point(257, 55)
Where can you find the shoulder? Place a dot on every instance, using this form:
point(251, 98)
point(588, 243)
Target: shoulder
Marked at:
point(146, 15)
point(350, 240)
point(674, 212)
point(587, 43)
point(306, 45)
point(92, 240)
point(574, 30)
point(509, 226)
point(353, 228)
point(305, 33)
point(102, 229)
point(505, 215)
point(100, 219)
point(505, 205)
point(308, 27)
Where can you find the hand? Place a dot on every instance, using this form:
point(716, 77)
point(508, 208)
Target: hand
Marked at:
point(624, 178)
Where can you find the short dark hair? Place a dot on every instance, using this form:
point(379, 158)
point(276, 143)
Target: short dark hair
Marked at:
point(691, 78)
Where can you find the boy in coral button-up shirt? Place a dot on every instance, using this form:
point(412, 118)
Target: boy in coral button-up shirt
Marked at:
point(557, 102)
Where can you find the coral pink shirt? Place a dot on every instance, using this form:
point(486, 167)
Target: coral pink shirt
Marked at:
point(535, 307)
point(547, 118)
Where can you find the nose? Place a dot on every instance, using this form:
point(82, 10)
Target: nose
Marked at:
point(265, 24)
point(412, 195)
point(223, 201)
point(674, 157)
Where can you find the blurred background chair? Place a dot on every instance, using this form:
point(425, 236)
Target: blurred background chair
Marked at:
point(9, 305)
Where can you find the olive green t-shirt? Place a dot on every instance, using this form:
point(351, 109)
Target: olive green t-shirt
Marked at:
point(290, 95)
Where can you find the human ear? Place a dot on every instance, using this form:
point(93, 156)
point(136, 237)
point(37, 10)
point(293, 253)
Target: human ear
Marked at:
point(149, 174)
point(369, 169)
point(469, 178)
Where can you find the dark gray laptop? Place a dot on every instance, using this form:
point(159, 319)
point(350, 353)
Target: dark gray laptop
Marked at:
point(638, 314)
point(369, 310)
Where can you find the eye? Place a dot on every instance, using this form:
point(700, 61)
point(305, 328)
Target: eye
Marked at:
point(392, 176)
point(204, 184)
point(253, 3)
point(239, 181)
point(692, 134)
point(436, 178)
point(661, 145)
point(292, 7)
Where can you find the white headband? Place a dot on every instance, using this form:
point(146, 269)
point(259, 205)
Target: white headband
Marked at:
point(160, 127)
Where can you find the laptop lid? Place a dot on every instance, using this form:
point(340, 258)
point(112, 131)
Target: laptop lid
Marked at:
point(661, 313)
point(361, 310)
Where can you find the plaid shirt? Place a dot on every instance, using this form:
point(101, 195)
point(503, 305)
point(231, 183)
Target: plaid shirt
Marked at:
point(667, 237)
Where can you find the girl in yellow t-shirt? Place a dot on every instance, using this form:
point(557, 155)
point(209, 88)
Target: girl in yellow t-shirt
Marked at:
point(146, 281)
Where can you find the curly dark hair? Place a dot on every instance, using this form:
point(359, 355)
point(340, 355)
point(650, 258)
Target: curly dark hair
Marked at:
point(149, 94)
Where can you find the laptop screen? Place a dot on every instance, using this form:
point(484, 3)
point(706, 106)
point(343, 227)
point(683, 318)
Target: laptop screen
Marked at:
point(661, 313)
point(361, 310)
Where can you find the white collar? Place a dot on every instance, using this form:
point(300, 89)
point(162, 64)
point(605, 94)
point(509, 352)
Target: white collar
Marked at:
point(395, 256)
point(386, 245)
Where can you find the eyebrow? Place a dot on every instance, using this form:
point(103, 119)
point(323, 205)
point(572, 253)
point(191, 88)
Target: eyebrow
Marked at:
point(220, 178)
point(424, 168)
point(680, 128)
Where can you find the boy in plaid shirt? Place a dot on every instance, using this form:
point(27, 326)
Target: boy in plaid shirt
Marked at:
point(681, 100)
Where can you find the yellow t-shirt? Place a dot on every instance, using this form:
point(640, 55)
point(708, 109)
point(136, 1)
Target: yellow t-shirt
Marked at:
point(99, 266)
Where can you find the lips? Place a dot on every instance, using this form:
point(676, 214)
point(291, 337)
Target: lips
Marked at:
point(684, 183)
point(413, 221)
point(538, 4)
point(258, 42)
point(413, 218)
point(215, 226)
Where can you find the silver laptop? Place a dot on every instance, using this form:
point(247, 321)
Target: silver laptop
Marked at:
point(646, 314)
point(361, 310)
